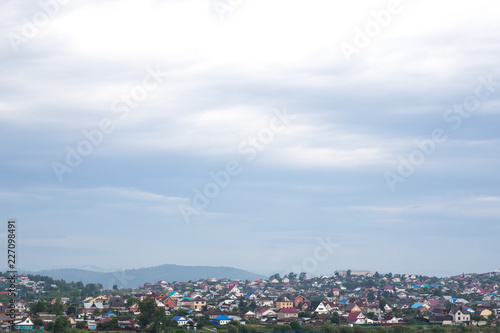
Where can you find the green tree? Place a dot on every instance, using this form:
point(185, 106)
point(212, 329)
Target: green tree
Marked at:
point(38, 322)
point(302, 276)
point(348, 273)
point(71, 310)
point(61, 324)
point(382, 304)
point(335, 318)
point(131, 300)
point(295, 325)
point(148, 309)
point(80, 325)
point(152, 316)
point(108, 326)
point(115, 287)
point(39, 306)
point(57, 308)
point(275, 276)
point(308, 328)
point(370, 296)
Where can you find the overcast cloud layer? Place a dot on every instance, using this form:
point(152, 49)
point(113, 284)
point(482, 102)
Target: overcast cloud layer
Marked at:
point(370, 126)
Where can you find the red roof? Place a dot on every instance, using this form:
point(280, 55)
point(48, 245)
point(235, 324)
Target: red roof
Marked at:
point(290, 310)
point(353, 316)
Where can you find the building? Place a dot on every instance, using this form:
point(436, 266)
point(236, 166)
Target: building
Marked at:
point(287, 313)
point(284, 304)
point(197, 303)
point(459, 314)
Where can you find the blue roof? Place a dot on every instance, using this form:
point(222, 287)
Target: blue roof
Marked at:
point(178, 318)
point(416, 286)
point(454, 299)
point(344, 301)
point(222, 317)
point(254, 291)
point(417, 305)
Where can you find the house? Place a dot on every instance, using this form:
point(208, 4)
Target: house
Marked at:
point(300, 302)
point(185, 303)
point(181, 321)
point(358, 318)
point(126, 324)
point(264, 302)
point(90, 307)
point(353, 307)
point(90, 325)
point(321, 308)
point(287, 313)
point(286, 304)
point(459, 314)
point(221, 320)
point(170, 302)
point(485, 313)
point(249, 314)
point(197, 304)
point(213, 313)
point(266, 313)
point(443, 319)
point(24, 325)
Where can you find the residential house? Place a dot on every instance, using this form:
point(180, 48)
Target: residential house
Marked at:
point(459, 314)
point(300, 302)
point(358, 318)
point(170, 302)
point(213, 313)
point(249, 314)
point(264, 302)
point(287, 313)
point(284, 304)
point(24, 325)
point(181, 321)
point(221, 320)
point(266, 313)
point(197, 303)
point(321, 308)
point(92, 306)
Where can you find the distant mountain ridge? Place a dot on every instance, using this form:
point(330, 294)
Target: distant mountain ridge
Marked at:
point(133, 278)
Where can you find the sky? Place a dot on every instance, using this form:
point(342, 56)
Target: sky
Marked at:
point(267, 135)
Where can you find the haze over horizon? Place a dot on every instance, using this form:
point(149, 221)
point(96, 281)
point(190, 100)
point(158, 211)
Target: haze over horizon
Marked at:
point(270, 136)
point(264, 273)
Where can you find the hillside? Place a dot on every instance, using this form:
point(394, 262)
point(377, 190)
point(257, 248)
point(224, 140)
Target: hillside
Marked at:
point(133, 278)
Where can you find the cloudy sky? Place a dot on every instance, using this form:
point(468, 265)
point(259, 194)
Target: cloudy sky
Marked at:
point(304, 135)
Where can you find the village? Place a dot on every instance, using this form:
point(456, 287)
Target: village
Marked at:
point(348, 299)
